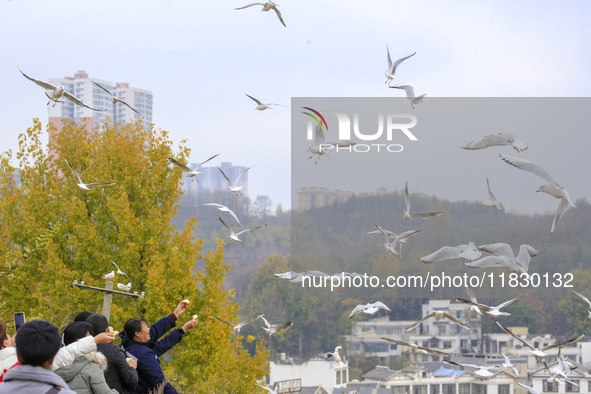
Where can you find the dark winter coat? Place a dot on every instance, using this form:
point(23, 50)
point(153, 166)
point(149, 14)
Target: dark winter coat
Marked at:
point(148, 364)
point(119, 374)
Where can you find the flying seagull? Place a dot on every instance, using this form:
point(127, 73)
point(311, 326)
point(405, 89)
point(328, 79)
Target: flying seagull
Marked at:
point(115, 99)
point(190, 172)
point(494, 311)
point(410, 94)
point(233, 186)
point(467, 252)
point(233, 235)
point(507, 364)
point(391, 70)
point(369, 308)
point(438, 315)
point(500, 139)
point(236, 327)
point(269, 5)
point(552, 188)
point(260, 106)
point(413, 347)
point(334, 356)
point(582, 297)
point(480, 370)
point(222, 208)
point(273, 328)
point(56, 93)
point(408, 215)
point(86, 186)
point(492, 200)
point(119, 272)
point(503, 256)
point(538, 353)
point(321, 146)
point(530, 389)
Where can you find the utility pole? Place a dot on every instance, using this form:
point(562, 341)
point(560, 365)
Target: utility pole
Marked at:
point(108, 291)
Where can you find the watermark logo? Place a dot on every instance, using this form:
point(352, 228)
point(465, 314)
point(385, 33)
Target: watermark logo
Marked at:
point(390, 127)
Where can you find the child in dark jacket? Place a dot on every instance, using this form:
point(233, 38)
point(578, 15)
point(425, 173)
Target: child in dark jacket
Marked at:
point(142, 342)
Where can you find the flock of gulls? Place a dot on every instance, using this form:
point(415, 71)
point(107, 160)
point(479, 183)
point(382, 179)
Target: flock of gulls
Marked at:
point(500, 254)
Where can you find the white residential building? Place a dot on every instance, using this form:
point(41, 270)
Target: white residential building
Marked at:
point(312, 373)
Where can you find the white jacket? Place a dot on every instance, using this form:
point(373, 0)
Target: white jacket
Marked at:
point(65, 356)
point(68, 354)
point(7, 358)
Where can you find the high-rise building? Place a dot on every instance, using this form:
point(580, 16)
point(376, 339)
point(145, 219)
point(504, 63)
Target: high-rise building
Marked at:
point(81, 87)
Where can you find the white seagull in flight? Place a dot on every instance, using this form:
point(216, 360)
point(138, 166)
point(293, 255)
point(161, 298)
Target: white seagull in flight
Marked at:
point(190, 172)
point(273, 328)
point(269, 5)
point(233, 235)
point(260, 106)
point(321, 146)
point(552, 188)
point(500, 139)
point(408, 215)
point(503, 256)
point(58, 92)
point(494, 311)
point(233, 186)
point(582, 297)
point(410, 94)
point(492, 200)
point(119, 272)
point(236, 327)
point(115, 99)
point(467, 252)
point(369, 308)
point(86, 186)
point(391, 70)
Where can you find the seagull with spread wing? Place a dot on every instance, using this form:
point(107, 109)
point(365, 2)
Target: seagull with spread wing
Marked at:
point(190, 172)
point(414, 347)
point(233, 186)
point(236, 327)
point(582, 297)
point(116, 100)
point(408, 215)
point(464, 252)
point(233, 235)
point(539, 353)
point(320, 146)
point(502, 255)
point(391, 70)
point(500, 139)
point(491, 201)
point(273, 328)
point(438, 315)
point(269, 5)
point(260, 106)
point(410, 94)
point(552, 188)
point(86, 186)
point(334, 356)
point(58, 92)
point(494, 311)
point(119, 272)
point(369, 308)
point(480, 370)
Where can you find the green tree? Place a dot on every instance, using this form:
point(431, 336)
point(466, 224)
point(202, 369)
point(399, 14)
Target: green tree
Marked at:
point(127, 223)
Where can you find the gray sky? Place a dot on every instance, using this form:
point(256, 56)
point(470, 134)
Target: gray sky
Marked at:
point(199, 58)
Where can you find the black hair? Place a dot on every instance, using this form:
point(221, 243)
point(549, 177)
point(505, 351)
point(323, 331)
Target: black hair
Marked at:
point(131, 327)
point(82, 316)
point(76, 330)
point(98, 322)
point(37, 342)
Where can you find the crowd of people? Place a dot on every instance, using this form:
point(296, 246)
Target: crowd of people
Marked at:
point(83, 359)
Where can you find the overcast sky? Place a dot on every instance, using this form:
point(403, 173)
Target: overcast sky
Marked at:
point(199, 58)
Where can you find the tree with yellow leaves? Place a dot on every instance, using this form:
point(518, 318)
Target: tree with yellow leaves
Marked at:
point(127, 223)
